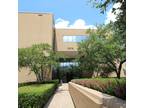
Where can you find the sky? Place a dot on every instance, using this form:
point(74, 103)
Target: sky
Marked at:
point(67, 13)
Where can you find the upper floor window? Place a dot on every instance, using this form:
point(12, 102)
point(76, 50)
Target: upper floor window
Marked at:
point(74, 38)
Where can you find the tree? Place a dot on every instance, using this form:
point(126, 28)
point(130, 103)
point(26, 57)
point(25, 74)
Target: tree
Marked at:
point(101, 52)
point(119, 26)
point(39, 58)
point(120, 23)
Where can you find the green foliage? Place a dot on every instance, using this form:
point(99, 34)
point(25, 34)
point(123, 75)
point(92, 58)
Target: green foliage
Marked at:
point(39, 58)
point(101, 52)
point(68, 73)
point(112, 50)
point(120, 23)
point(35, 95)
point(112, 86)
point(34, 82)
point(75, 72)
point(103, 4)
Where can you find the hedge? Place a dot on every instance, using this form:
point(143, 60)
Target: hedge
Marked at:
point(112, 86)
point(35, 82)
point(33, 95)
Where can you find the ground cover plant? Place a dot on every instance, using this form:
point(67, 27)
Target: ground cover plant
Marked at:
point(112, 86)
point(35, 95)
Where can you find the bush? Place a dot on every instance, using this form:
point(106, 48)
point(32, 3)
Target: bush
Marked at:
point(112, 86)
point(35, 95)
point(35, 82)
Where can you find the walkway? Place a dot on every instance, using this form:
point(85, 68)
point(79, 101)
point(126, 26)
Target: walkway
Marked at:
point(61, 98)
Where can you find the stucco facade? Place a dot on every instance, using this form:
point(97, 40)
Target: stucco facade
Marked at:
point(69, 49)
point(25, 75)
point(36, 28)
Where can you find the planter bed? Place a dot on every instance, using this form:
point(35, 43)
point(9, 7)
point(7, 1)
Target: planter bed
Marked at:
point(35, 95)
point(112, 86)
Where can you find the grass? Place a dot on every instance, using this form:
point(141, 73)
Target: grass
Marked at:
point(35, 95)
point(112, 86)
point(36, 88)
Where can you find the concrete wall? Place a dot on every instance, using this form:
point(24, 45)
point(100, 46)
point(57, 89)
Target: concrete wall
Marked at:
point(35, 28)
point(68, 48)
point(25, 75)
point(84, 97)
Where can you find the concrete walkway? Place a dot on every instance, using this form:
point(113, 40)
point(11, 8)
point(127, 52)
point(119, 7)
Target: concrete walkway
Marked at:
point(61, 98)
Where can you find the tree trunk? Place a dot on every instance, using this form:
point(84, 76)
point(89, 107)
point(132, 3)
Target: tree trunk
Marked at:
point(119, 69)
point(42, 73)
point(39, 78)
point(97, 74)
point(118, 74)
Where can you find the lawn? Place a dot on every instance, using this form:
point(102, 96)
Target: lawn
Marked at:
point(36, 88)
point(112, 86)
point(35, 95)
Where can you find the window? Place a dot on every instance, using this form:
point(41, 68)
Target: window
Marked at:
point(74, 38)
point(67, 64)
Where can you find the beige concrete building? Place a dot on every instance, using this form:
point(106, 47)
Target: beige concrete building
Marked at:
point(36, 28)
point(66, 40)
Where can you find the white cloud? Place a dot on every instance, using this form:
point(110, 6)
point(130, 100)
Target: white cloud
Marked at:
point(78, 24)
point(61, 23)
point(111, 16)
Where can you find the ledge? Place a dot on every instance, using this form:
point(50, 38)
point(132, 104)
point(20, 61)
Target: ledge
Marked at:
point(84, 97)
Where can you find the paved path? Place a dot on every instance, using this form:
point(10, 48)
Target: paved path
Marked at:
point(61, 98)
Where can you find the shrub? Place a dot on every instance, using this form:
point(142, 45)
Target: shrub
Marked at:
point(112, 86)
point(35, 82)
point(35, 95)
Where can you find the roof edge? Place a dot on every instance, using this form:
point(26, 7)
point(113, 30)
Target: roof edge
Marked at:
point(36, 13)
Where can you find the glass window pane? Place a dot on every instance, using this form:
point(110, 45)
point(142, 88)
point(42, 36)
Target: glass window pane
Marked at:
point(68, 64)
point(65, 38)
point(74, 38)
point(70, 38)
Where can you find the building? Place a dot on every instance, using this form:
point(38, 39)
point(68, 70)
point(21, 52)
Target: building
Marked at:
point(36, 28)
